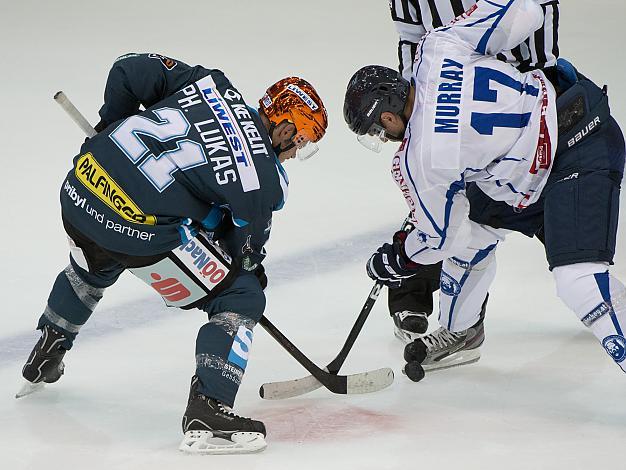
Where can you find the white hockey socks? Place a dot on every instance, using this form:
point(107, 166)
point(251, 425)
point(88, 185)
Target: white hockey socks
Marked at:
point(464, 286)
point(599, 301)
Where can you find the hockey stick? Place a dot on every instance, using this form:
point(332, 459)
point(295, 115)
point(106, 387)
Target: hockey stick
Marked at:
point(74, 113)
point(296, 387)
point(364, 382)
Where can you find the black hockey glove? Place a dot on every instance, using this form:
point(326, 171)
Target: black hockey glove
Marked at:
point(390, 264)
point(259, 272)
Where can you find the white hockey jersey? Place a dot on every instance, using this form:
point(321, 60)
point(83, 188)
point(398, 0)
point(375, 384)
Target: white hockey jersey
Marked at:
point(475, 119)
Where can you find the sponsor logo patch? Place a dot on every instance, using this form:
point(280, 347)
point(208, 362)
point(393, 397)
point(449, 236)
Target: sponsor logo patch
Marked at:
point(267, 101)
point(449, 285)
point(596, 313)
point(241, 347)
point(99, 182)
point(168, 63)
point(233, 132)
point(171, 289)
point(303, 96)
point(460, 263)
point(615, 345)
point(175, 286)
point(206, 266)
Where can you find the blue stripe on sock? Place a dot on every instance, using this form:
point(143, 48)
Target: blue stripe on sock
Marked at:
point(602, 280)
point(481, 255)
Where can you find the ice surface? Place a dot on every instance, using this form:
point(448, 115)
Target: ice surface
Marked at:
point(543, 396)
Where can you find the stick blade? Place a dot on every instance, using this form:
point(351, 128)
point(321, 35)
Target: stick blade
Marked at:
point(368, 382)
point(364, 382)
point(289, 388)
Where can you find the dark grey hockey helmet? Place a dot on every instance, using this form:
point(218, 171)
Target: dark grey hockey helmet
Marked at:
point(373, 90)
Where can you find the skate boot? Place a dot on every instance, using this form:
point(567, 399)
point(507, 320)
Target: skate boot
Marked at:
point(409, 326)
point(210, 427)
point(45, 363)
point(443, 349)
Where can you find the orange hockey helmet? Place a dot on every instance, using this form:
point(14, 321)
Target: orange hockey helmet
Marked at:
point(295, 100)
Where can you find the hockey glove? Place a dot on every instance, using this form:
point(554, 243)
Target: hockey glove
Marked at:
point(390, 264)
point(259, 272)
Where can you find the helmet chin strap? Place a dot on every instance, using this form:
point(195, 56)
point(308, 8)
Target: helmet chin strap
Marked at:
point(277, 149)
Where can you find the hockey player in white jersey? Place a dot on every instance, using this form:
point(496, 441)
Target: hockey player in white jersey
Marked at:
point(476, 129)
point(412, 303)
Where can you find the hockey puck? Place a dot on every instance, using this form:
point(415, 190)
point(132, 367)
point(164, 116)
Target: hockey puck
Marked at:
point(414, 371)
point(415, 351)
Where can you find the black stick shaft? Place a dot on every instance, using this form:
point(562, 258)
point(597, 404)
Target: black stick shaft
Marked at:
point(334, 366)
point(319, 374)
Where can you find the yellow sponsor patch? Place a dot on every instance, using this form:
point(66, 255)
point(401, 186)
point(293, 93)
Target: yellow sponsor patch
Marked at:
point(97, 180)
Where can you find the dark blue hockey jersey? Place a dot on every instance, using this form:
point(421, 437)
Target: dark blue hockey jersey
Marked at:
point(197, 157)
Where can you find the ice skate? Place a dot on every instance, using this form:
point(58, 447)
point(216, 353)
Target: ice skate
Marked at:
point(45, 363)
point(212, 428)
point(443, 349)
point(409, 326)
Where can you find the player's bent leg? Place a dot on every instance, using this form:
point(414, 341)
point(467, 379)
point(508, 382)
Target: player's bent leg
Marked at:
point(222, 350)
point(411, 304)
point(74, 296)
point(463, 303)
point(465, 281)
point(581, 219)
point(599, 301)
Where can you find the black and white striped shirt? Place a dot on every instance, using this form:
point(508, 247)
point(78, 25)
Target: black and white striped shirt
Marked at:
point(413, 18)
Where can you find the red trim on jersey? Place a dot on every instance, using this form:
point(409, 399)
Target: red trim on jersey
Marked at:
point(543, 154)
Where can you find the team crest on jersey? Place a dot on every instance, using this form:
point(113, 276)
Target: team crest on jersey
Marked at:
point(615, 345)
point(168, 63)
point(449, 285)
point(95, 178)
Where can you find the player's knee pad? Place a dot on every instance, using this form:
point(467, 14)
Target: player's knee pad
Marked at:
point(71, 303)
point(243, 295)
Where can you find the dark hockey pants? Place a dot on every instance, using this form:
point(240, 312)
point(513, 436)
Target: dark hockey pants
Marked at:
point(222, 344)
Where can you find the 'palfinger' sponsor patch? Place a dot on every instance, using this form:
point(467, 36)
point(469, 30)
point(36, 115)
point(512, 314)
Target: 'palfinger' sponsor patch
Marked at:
point(97, 180)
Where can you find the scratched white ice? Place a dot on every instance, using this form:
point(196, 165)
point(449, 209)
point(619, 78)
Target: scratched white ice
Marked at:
point(543, 396)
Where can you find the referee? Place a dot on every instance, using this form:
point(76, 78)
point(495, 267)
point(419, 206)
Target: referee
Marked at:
point(412, 303)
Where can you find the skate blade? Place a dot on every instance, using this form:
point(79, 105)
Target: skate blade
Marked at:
point(405, 336)
point(205, 443)
point(29, 388)
point(457, 359)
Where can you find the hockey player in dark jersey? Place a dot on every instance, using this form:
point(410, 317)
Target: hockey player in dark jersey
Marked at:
point(182, 195)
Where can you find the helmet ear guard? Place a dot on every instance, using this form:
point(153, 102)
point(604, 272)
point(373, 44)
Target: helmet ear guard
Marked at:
point(295, 100)
point(371, 91)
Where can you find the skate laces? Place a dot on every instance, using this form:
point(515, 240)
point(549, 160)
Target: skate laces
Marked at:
point(441, 338)
point(227, 410)
point(409, 313)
